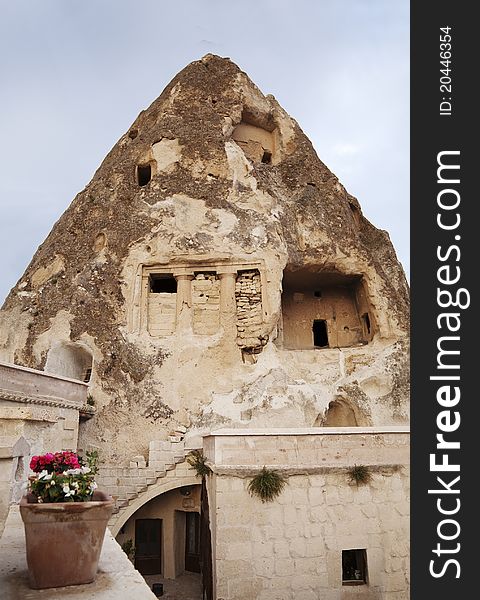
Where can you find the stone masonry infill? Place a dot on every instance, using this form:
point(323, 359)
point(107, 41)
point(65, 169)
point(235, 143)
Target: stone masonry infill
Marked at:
point(248, 296)
point(116, 578)
point(126, 483)
point(206, 303)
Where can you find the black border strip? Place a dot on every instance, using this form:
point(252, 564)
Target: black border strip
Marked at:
point(433, 132)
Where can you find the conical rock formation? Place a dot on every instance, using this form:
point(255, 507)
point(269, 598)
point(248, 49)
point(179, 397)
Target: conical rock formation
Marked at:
point(165, 275)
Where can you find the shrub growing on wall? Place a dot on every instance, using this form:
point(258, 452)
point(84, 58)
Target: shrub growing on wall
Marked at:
point(360, 474)
point(267, 485)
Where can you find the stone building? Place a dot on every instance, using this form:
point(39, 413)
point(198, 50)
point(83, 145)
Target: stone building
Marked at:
point(215, 286)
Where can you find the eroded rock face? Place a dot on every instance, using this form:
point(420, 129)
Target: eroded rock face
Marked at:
point(164, 278)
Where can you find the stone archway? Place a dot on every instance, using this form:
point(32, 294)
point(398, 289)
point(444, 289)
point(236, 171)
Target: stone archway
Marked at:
point(162, 486)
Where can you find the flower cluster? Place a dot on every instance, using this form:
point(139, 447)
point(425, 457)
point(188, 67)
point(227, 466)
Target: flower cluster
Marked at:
point(55, 463)
point(62, 477)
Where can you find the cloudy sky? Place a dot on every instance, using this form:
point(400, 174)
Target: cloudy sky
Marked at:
point(75, 74)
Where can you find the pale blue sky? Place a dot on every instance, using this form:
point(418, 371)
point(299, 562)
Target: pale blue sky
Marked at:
point(75, 74)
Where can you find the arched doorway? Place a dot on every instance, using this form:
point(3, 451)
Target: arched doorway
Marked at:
point(162, 538)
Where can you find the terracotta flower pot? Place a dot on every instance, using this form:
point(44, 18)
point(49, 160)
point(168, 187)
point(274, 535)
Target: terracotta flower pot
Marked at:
point(64, 540)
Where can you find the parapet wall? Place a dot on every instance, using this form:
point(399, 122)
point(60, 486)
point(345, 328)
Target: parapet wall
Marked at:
point(311, 448)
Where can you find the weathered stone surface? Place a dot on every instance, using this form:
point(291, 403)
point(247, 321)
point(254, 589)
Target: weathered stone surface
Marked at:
point(214, 190)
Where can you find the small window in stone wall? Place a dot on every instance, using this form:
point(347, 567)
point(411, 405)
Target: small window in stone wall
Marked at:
point(354, 567)
point(144, 174)
point(87, 375)
point(163, 284)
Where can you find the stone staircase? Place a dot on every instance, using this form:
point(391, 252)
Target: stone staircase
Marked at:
point(125, 484)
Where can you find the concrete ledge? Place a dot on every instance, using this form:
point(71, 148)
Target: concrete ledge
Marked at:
point(244, 471)
point(117, 578)
point(311, 431)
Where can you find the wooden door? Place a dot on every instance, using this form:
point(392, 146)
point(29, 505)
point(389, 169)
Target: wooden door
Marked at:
point(192, 542)
point(148, 546)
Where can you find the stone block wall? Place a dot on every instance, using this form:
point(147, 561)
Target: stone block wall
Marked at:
point(206, 303)
point(162, 314)
point(291, 548)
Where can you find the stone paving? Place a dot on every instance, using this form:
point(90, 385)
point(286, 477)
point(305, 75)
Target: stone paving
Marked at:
point(185, 587)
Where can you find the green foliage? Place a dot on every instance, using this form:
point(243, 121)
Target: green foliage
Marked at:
point(198, 461)
point(92, 460)
point(129, 549)
point(360, 474)
point(267, 485)
point(90, 400)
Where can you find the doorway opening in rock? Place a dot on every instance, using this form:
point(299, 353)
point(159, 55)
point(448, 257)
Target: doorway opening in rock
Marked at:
point(320, 333)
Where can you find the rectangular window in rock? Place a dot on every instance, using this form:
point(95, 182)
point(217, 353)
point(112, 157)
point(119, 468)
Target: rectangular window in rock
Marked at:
point(354, 567)
point(324, 310)
point(206, 303)
point(162, 304)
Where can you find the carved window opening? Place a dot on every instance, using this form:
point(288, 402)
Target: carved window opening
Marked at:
point(69, 359)
point(257, 137)
point(320, 333)
point(87, 375)
point(267, 157)
point(144, 174)
point(339, 414)
point(324, 310)
point(354, 567)
point(163, 284)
